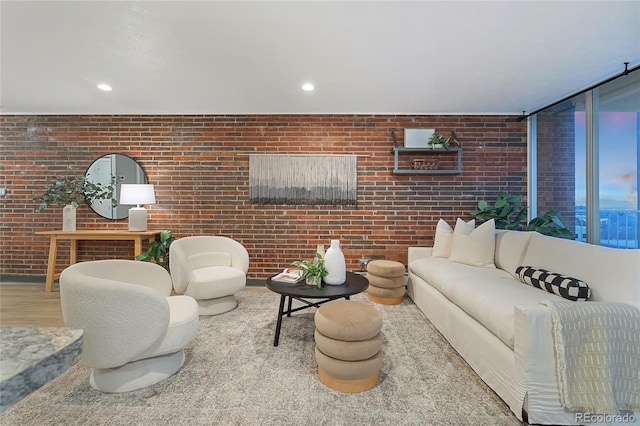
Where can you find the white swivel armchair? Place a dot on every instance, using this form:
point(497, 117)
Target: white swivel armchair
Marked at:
point(211, 269)
point(134, 331)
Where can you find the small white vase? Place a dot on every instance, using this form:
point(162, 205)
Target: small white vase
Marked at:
point(314, 280)
point(320, 250)
point(69, 218)
point(335, 264)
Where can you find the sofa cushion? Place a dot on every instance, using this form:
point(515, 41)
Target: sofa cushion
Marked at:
point(612, 274)
point(444, 236)
point(511, 247)
point(566, 287)
point(489, 295)
point(442, 273)
point(475, 247)
point(492, 302)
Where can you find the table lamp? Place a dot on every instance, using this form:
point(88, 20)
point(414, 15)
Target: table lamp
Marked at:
point(137, 194)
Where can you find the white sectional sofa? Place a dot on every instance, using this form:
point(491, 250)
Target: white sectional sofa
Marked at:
point(497, 324)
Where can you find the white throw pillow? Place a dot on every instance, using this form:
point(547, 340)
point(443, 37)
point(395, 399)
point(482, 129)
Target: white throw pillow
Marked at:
point(444, 235)
point(476, 247)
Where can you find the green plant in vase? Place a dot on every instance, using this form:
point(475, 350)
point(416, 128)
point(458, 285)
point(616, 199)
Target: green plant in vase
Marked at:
point(438, 140)
point(73, 190)
point(312, 270)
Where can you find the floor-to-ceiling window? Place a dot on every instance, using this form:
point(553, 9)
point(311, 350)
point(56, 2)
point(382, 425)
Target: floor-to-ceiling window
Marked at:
point(586, 162)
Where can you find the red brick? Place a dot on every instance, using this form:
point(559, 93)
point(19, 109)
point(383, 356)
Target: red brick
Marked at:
point(199, 166)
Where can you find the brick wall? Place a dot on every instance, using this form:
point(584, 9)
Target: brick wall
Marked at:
point(199, 166)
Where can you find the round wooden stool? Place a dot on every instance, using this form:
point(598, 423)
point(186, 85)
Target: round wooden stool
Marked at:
point(386, 281)
point(348, 345)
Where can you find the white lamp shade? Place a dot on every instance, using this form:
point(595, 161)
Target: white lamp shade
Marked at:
point(137, 194)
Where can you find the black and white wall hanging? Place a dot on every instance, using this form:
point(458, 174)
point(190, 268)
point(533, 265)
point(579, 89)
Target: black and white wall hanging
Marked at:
point(303, 179)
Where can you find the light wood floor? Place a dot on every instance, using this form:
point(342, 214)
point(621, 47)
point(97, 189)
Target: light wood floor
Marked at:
point(27, 304)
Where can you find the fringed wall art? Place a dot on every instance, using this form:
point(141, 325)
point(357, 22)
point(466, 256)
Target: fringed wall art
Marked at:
point(303, 179)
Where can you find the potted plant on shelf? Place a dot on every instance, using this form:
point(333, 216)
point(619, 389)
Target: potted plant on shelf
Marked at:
point(438, 140)
point(158, 251)
point(312, 270)
point(70, 192)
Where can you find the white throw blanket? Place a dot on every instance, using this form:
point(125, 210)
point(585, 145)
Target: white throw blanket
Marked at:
point(597, 346)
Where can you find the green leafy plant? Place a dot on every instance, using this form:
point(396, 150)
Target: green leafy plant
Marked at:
point(445, 141)
point(549, 224)
point(158, 251)
point(509, 213)
point(312, 269)
point(73, 189)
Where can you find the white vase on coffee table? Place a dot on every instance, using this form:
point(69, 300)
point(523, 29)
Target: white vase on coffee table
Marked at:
point(336, 265)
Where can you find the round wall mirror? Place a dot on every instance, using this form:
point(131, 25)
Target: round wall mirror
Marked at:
point(101, 171)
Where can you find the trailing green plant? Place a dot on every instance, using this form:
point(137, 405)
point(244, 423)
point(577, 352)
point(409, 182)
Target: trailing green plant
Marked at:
point(73, 190)
point(445, 141)
point(509, 213)
point(313, 268)
point(158, 251)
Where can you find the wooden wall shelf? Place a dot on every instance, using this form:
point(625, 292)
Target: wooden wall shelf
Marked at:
point(397, 151)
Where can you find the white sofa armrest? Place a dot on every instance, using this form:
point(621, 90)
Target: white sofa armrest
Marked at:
point(419, 253)
point(536, 366)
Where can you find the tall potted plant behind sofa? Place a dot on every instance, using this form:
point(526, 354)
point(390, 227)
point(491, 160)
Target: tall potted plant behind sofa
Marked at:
point(508, 213)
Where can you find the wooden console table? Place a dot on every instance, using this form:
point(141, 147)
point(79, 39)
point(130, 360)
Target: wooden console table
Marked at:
point(89, 235)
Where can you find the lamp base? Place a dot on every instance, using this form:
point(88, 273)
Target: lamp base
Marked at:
point(137, 219)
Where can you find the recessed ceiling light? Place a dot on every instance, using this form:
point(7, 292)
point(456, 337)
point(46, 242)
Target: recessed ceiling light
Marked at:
point(104, 87)
point(308, 87)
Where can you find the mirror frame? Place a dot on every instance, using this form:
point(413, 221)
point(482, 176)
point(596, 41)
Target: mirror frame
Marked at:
point(128, 169)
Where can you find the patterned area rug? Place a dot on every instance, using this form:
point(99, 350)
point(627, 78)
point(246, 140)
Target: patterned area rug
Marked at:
point(234, 376)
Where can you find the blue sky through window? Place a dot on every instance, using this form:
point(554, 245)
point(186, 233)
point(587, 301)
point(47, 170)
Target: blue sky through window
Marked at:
point(618, 160)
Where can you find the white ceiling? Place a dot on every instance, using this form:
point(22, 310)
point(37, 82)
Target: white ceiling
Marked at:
point(237, 57)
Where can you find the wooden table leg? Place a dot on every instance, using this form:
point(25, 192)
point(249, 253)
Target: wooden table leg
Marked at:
point(51, 266)
point(137, 249)
point(73, 251)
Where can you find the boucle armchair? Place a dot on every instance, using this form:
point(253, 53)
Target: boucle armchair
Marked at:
point(211, 269)
point(134, 331)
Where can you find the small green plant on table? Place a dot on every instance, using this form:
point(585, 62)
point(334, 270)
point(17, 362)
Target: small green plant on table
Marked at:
point(312, 270)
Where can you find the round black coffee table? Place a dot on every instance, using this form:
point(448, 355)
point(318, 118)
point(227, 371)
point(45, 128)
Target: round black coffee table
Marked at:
point(302, 291)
